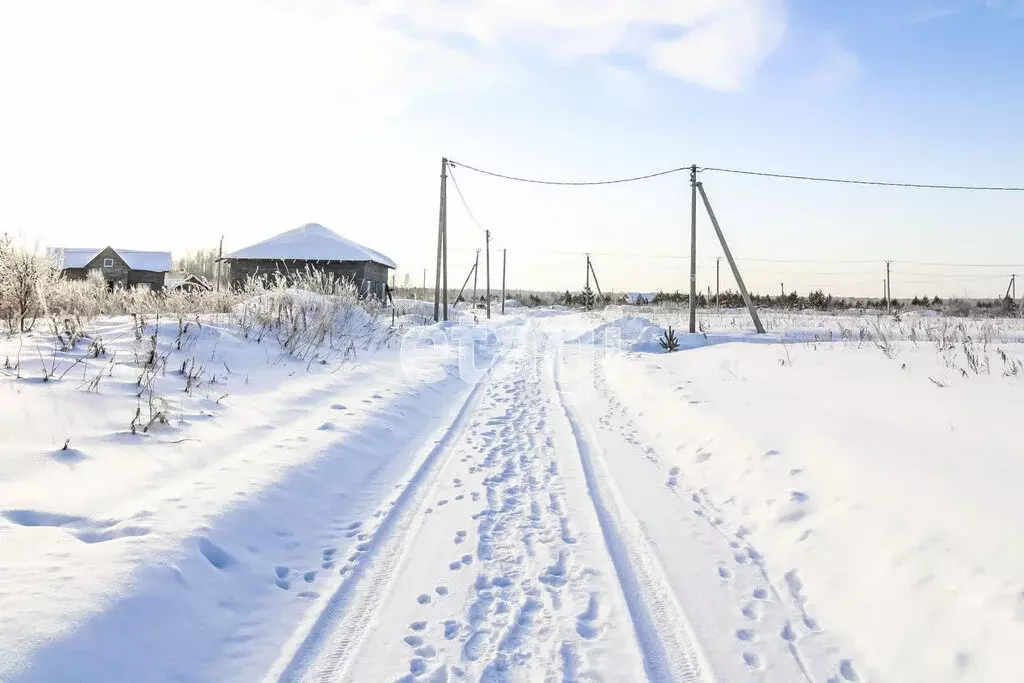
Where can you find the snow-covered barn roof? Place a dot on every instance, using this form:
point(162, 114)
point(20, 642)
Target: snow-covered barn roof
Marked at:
point(311, 242)
point(157, 261)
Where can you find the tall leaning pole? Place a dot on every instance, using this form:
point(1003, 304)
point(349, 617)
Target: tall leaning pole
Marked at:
point(693, 249)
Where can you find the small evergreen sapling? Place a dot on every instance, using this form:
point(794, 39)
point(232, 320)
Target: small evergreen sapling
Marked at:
point(669, 341)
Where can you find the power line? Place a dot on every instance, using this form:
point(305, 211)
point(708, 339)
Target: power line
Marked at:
point(463, 199)
point(878, 183)
point(535, 181)
point(772, 260)
point(961, 265)
point(737, 171)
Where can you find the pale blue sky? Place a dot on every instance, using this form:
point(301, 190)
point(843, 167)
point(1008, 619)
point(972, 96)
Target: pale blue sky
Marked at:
point(163, 125)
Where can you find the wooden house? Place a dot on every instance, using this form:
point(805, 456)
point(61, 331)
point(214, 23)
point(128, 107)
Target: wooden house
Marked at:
point(118, 267)
point(313, 246)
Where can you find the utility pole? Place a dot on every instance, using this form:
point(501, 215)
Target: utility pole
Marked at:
point(718, 291)
point(220, 255)
point(474, 274)
point(1012, 287)
point(504, 258)
point(732, 262)
point(471, 273)
point(588, 273)
point(782, 288)
point(693, 249)
point(597, 284)
point(888, 288)
point(442, 250)
point(488, 261)
point(424, 280)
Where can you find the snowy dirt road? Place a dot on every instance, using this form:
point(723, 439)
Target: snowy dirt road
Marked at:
point(406, 521)
point(549, 542)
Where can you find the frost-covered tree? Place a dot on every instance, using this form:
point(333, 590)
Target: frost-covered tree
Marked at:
point(25, 278)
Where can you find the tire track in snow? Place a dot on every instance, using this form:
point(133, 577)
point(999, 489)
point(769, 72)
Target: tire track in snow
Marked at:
point(744, 552)
point(798, 626)
point(667, 640)
point(326, 648)
point(537, 609)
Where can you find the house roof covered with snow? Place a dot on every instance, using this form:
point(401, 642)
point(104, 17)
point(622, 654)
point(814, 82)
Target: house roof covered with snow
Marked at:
point(310, 242)
point(156, 261)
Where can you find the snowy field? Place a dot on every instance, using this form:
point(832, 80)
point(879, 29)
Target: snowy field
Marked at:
point(546, 496)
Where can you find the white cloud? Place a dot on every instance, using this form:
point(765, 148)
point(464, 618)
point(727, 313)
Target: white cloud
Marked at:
point(724, 50)
point(715, 43)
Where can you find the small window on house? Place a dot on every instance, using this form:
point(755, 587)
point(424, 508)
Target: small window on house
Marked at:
point(108, 263)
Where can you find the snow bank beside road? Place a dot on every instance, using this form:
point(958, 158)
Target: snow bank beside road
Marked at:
point(892, 514)
point(193, 550)
point(635, 333)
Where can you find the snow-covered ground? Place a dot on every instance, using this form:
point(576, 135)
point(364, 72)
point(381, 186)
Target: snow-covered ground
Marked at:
point(546, 496)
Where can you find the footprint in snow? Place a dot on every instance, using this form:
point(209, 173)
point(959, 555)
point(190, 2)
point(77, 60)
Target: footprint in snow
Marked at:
point(215, 555)
point(587, 624)
point(795, 585)
point(451, 629)
point(752, 611)
point(423, 599)
point(847, 671)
